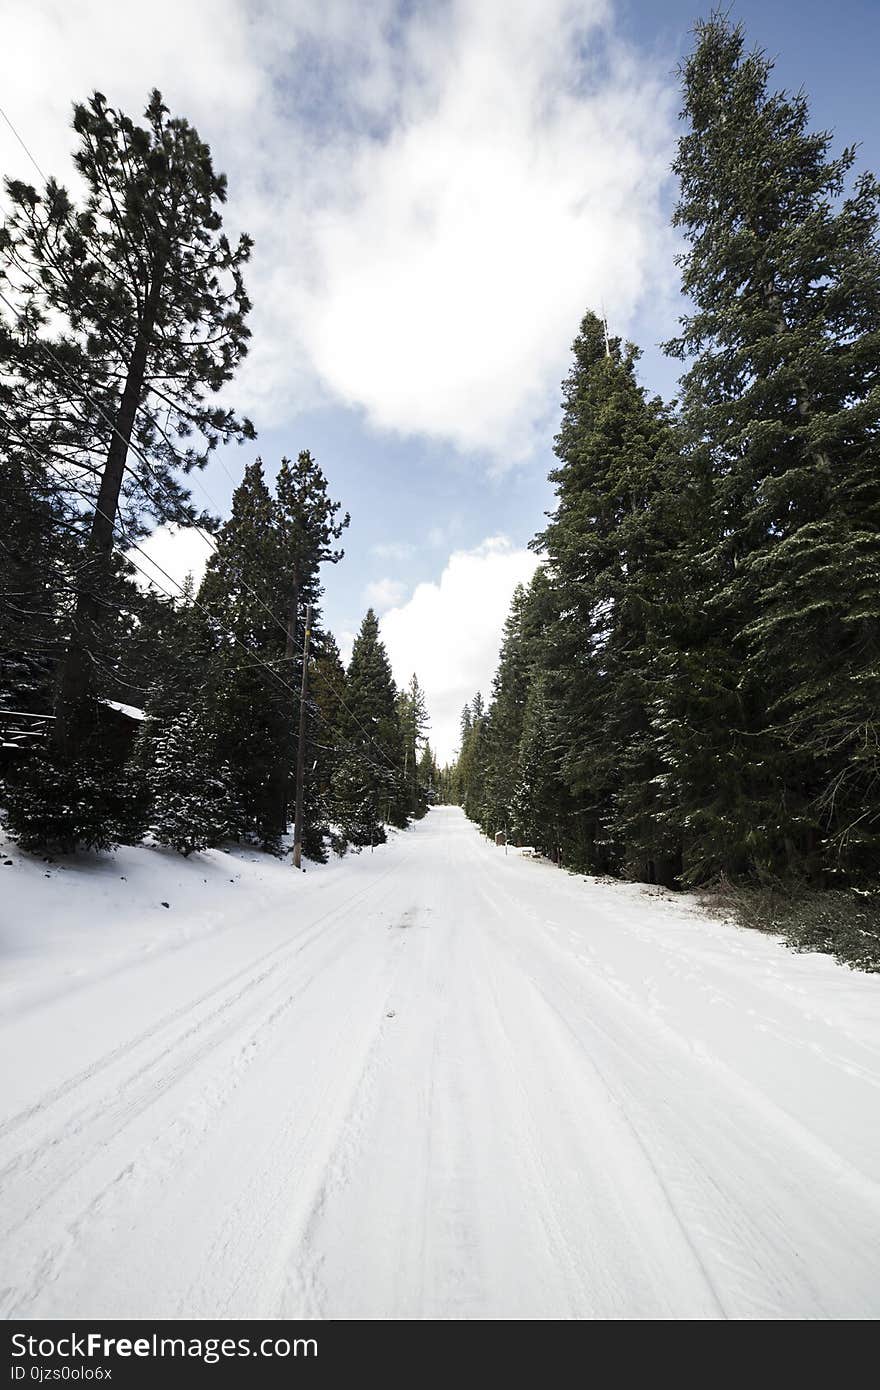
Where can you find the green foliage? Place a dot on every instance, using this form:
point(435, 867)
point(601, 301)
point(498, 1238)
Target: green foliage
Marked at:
point(166, 652)
point(609, 605)
point(690, 688)
point(141, 263)
point(844, 923)
point(783, 269)
point(60, 803)
point(128, 314)
point(412, 718)
point(428, 778)
point(307, 525)
point(266, 567)
point(539, 804)
point(370, 730)
point(250, 711)
point(36, 551)
point(192, 799)
point(470, 773)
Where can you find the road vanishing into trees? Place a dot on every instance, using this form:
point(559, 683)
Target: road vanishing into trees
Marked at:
point(442, 1081)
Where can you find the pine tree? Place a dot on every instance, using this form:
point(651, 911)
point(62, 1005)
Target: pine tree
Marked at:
point(64, 804)
point(783, 269)
point(522, 651)
point(465, 722)
point(191, 794)
point(57, 799)
point(166, 653)
point(250, 699)
point(539, 804)
point(428, 777)
point(127, 313)
point(412, 716)
point(149, 294)
point(608, 549)
point(323, 813)
point(371, 728)
point(472, 761)
point(308, 526)
point(37, 556)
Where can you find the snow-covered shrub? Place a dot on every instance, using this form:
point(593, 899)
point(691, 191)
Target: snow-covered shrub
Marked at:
point(193, 805)
point(66, 803)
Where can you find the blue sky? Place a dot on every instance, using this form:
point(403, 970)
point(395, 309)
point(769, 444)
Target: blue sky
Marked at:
point(437, 192)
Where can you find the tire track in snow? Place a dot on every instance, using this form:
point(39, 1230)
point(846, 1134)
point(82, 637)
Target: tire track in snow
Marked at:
point(105, 1122)
point(116, 1054)
point(645, 1191)
point(307, 1148)
point(538, 1132)
point(707, 1205)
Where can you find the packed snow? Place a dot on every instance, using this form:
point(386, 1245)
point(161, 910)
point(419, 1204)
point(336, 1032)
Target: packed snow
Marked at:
point(436, 1081)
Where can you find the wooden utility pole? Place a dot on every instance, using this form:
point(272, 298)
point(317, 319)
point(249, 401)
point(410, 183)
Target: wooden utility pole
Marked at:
point(301, 746)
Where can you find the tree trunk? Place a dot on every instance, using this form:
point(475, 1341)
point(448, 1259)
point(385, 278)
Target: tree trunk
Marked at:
point(72, 700)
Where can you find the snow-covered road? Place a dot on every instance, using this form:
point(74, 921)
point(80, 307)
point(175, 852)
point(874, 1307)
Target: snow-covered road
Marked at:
point(442, 1082)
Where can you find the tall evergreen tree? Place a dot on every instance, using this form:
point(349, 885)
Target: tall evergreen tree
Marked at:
point(523, 653)
point(127, 312)
point(307, 526)
point(783, 269)
point(191, 795)
point(539, 805)
point(37, 572)
point(608, 545)
point(428, 776)
point(412, 716)
point(370, 725)
point(166, 652)
point(152, 308)
point(472, 760)
point(325, 813)
point(265, 569)
point(250, 698)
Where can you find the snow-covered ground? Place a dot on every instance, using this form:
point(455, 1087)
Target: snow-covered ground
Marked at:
point(437, 1081)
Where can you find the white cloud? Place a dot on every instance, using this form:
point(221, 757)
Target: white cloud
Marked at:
point(170, 553)
point(383, 594)
point(436, 192)
point(449, 632)
point(513, 194)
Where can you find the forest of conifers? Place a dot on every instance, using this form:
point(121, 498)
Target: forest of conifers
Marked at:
point(689, 690)
point(124, 708)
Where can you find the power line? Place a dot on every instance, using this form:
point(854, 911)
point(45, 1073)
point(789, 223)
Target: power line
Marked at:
point(23, 145)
